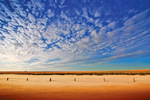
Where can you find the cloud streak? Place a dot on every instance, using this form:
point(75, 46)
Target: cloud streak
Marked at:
point(53, 34)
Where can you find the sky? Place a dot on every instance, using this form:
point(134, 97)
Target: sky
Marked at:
point(74, 35)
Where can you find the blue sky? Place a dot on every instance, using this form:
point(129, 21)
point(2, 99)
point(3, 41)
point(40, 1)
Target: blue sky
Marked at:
point(74, 35)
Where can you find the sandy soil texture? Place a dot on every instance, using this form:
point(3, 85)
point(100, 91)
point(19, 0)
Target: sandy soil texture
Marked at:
point(64, 87)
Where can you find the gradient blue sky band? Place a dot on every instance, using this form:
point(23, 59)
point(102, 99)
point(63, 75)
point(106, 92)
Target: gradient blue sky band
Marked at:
point(62, 35)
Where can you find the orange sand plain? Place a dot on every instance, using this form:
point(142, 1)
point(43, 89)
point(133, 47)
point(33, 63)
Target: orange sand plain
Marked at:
point(63, 87)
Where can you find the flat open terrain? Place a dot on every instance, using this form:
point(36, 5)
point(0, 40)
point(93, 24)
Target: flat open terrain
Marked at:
point(124, 72)
point(63, 87)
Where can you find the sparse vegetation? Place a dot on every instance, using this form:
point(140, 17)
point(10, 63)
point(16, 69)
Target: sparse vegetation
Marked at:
point(82, 73)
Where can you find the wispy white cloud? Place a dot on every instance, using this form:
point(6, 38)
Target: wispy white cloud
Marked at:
point(33, 31)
